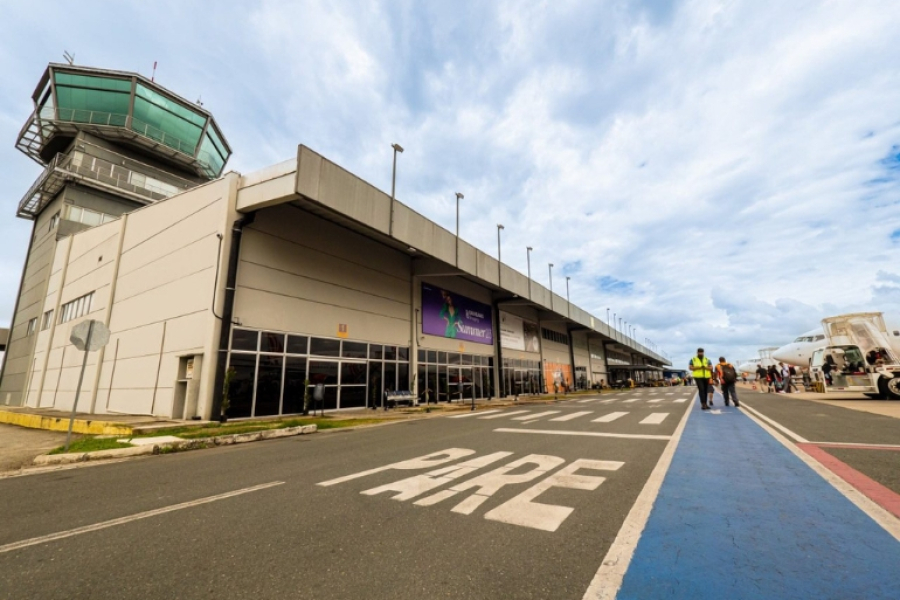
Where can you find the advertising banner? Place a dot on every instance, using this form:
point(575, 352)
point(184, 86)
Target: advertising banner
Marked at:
point(450, 315)
point(518, 334)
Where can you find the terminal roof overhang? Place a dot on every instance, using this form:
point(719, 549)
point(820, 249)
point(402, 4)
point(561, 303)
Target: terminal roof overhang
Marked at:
point(322, 187)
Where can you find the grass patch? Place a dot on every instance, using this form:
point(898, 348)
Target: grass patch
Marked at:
point(192, 433)
point(90, 444)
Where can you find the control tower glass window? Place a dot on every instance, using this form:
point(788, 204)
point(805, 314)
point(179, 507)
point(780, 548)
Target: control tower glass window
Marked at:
point(213, 152)
point(166, 121)
point(91, 99)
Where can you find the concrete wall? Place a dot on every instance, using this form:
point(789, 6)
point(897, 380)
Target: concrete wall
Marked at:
point(152, 274)
point(299, 273)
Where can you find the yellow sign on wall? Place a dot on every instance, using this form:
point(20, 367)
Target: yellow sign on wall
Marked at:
point(343, 331)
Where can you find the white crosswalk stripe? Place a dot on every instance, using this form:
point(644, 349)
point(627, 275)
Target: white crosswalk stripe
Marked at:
point(610, 417)
point(655, 419)
point(506, 414)
point(573, 415)
point(630, 401)
point(680, 400)
point(475, 414)
point(654, 400)
point(536, 416)
point(588, 400)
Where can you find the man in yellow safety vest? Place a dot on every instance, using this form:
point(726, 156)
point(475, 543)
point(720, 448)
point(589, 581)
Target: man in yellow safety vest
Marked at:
point(701, 369)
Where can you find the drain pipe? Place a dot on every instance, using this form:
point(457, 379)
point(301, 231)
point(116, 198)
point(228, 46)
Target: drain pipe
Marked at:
point(234, 253)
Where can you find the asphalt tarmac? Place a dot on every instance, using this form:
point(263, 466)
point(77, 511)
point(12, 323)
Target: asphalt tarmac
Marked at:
point(521, 502)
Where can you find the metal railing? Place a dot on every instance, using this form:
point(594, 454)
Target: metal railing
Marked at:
point(90, 168)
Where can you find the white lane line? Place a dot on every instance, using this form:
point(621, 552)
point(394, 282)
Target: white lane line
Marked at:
point(536, 415)
point(655, 419)
point(631, 436)
point(608, 579)
point(630, 401)
point(856, 445)
point(670, 393)
point(475, 414)
point(573, 415)
point(506, 414)
point(654, 401)
point(778, 426)
point(607, 401)
point(135, 517)
point(610, 417)
point(680, 400)
point(888, 521)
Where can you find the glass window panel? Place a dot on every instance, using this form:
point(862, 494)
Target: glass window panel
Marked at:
point(443, 386)
point(353, 396)
point(172, 106)
point(322, 371)
point(375, 383)
point(211, 156)
point(294, 376)
point(241, 393)
point(432, 356)
point(376, 351)
point(402, 353)
point(442, 358)
point(244, 339)
point(94, 82)
point(390, 353)
point(403, 376)
point(324, 347)
point(423, 356)
point(330, 403)
point(268, 385)
point(421, 381)
point(90, 218)
point(353, 373)
point(272, 342)
point(390, 376)
point(466, 359)
point(432, 383)
point(354, 350)
point(452, 358)
point(213, 133)
point(297, 344)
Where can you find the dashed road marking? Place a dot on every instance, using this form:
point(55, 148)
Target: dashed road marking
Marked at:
point(630, 401)
point(573, 415)
point(629, 436)
point(680, 400)
point(654, 401)
point(655, 419)
point(610, 417)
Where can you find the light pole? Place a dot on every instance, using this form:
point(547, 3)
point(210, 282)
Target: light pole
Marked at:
point(528, 252)
point(568, 302)
point(397, 149)
point(499, 260)
point(615, 329)
point(459, 197)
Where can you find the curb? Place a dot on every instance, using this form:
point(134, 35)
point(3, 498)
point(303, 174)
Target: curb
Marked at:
point(219, 440)
point(91, 427)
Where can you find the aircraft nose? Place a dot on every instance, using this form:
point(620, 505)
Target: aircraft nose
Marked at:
point(784, 353)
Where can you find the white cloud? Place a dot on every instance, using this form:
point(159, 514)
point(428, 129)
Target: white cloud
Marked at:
point(727, 163)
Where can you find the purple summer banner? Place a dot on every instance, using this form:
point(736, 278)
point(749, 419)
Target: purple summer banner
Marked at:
point(449, 315)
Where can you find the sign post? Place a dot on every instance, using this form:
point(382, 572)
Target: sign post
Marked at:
point(88, 336)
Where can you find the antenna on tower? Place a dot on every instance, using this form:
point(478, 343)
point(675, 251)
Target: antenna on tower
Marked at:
point(70, 58)
point(153, 75)
point(199, 101)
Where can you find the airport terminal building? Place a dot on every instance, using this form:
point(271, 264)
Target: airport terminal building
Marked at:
point(296, 275)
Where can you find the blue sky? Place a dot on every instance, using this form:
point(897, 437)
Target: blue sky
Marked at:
point(719, 173)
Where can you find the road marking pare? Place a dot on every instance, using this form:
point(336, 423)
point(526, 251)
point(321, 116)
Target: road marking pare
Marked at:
point(521, 510)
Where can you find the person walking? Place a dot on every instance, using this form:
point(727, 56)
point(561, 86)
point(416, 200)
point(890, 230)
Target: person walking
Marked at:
point(774, 379)
point(701, 371)
point(727, 376)
point(762, 378)
point(785, 377)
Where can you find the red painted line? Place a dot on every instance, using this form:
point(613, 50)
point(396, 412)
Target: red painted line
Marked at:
point(859, 447)
point(877, 493)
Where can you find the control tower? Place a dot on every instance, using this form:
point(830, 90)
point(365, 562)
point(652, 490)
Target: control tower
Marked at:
point(109, 142)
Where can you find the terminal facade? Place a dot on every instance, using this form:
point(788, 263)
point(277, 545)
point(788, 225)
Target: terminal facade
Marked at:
point(296, 275)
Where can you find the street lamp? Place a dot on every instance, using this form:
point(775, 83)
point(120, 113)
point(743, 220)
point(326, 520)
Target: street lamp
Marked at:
point(550, 268)
point(397, 149)
point(459, 197)
point(528, 252)
point(499, 260)
point(568, 302)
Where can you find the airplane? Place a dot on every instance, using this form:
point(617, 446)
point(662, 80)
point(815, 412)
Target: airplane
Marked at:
point(800, 351)
point(765, 359)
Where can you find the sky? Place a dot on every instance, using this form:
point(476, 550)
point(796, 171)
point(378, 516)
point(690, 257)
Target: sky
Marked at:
point(717, 173)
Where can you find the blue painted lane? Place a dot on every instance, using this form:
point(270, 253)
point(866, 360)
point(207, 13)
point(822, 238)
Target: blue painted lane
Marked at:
point(739, 516)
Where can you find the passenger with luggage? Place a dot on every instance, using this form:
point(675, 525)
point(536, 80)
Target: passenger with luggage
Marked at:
point(727, 376)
